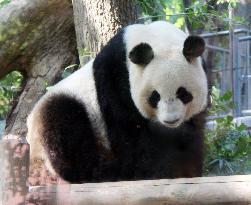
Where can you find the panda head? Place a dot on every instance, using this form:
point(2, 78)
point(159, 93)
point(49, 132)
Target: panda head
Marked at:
point(167, 81)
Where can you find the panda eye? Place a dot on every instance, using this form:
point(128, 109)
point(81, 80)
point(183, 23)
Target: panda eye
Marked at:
point(184, 95)
point(154, 99)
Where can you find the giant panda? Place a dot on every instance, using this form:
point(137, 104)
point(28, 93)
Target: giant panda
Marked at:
point(137, 111)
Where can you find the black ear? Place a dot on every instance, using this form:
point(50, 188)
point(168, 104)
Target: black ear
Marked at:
point(194, 46)
point(141, 54)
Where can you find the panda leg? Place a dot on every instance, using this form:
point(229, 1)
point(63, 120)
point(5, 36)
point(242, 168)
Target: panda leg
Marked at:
point(68, 138)
point(38, 156)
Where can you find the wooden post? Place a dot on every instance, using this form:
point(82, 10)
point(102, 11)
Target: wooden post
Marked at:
point(15, 157)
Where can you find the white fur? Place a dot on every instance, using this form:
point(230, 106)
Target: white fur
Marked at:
point(80, 85)
point(37, 151)
point(168, 71)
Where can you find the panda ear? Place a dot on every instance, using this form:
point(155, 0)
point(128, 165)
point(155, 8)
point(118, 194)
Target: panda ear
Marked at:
point(194, 46)
point(141, 54)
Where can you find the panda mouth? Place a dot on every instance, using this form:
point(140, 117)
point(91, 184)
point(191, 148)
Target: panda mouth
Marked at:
point(171, 122)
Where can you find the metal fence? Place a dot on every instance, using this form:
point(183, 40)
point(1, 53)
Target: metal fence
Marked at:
point(222, 71)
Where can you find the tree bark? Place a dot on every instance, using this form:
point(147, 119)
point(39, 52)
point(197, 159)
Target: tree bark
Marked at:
point(188, 3)
point(38, 38)
point(98, 21)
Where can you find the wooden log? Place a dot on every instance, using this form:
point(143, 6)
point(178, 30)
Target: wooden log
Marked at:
point(234, 190)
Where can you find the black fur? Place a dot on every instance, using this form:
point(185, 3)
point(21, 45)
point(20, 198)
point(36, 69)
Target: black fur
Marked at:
point(141, 54)
point(69, 138)
point(193, 47)
point(154, 99)
point(171, 152)
point(140, 149)
point(184, 95)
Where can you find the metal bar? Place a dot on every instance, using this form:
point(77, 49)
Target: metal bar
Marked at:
point(246, 76)
point(245, 38)
point(237, 78)
point(218, 69)
point(217, 48)
point(223, 33)
point(224, 73)
point(231, 49)
point(249, 74)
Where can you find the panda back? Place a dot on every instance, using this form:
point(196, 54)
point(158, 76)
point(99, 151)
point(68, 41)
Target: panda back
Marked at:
point(81, 86)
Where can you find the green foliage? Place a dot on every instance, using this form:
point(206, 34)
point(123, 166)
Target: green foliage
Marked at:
point(229, 144)
point(171, 9)
point(83, 52)
point(200, 14)
point(233, 3)
point(203, 14)
point(69, 70)
point(221, 103)
point(152, 8)
point(9, 86)
point(4, 2)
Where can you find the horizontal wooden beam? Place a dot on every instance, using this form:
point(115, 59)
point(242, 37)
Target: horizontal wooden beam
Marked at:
point(234, 190)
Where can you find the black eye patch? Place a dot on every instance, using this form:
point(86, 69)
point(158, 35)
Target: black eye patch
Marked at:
point(184, 95)
point(154, 99)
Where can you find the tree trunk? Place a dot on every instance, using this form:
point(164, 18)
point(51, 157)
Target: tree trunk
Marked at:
point(38, 38)
point(189, 27)
point(97, 21)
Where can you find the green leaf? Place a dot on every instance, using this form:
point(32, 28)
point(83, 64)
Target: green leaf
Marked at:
point(227, 96)
point(242, 127)
point(4, 2)
point(220, 120)
point(9, 87)
point(242, 144)
point(71, 66)
point(229, 119)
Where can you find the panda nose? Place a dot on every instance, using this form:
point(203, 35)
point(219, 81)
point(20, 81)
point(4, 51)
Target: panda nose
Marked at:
point(171, 121)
